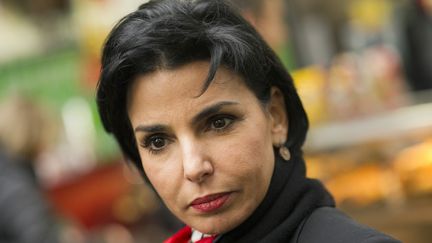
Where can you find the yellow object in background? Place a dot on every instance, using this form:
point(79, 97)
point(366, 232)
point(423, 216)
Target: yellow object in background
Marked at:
point(414, 167)
point(370, 14)
point(310, 83)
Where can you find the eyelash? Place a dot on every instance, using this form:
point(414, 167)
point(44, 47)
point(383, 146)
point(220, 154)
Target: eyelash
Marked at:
point(228, 124)
point(148, 142)
point(150, 139)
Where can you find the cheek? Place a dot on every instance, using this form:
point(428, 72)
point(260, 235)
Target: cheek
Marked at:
point(260, 157)
point(249, 156)
point(158, 173)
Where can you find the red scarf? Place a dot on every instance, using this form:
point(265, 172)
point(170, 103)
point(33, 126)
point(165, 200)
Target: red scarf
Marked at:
point(184, 235)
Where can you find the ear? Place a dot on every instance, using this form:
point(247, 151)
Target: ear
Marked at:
point(278, 117)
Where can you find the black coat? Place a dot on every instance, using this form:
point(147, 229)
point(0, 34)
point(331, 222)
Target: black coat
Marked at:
point(330, 225)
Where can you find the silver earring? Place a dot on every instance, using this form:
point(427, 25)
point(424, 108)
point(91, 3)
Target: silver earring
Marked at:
point(284, 152)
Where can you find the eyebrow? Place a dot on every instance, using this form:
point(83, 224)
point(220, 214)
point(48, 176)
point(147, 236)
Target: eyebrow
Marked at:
point(211, 110)
point(151, 129)
point(201, 115)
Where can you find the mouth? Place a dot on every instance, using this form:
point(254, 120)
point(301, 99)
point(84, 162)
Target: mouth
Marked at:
point(211, 202)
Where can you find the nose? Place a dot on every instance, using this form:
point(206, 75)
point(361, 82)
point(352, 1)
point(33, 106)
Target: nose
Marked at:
point(197, 166)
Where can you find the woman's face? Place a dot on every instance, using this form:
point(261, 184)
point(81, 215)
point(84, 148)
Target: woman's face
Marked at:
point(209, 156)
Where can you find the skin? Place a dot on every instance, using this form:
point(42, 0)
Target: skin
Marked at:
point(187, 155)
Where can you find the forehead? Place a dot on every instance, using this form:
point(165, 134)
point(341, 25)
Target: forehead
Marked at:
point(187, 79)
point(163, 92)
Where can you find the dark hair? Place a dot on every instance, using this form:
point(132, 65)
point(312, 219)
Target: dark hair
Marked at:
point(166, 34)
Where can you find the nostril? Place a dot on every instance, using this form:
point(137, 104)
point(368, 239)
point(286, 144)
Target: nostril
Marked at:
point(198, 171)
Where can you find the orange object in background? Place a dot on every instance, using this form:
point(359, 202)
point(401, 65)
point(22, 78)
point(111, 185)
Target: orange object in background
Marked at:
point(89, 199)
point(365, 185)
point(414, 167)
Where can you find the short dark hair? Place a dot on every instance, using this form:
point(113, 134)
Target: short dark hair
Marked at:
point(165, 34)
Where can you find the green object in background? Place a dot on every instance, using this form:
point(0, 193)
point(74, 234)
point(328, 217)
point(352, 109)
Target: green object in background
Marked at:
point(286, 55)
point(53, 79)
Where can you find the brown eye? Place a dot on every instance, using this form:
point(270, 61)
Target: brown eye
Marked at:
point(158, 143)
point(221, 123)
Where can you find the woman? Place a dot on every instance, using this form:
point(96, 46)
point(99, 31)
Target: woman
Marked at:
point(25, 132)
point(203, 107)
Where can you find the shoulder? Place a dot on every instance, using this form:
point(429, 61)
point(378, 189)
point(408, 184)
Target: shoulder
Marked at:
point(327, 224)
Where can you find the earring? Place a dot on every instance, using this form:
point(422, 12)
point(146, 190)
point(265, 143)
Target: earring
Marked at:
point(284, 152)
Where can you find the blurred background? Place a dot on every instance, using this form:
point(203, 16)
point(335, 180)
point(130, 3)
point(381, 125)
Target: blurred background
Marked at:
point(362, 67)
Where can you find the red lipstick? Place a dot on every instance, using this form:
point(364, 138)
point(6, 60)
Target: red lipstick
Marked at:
point(211, 202)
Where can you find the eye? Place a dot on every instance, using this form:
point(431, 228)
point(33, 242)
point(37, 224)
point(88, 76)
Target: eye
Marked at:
point(155, 143)
point(220, 123)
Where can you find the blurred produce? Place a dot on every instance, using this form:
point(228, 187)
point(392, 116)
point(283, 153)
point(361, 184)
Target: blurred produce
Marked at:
point(357, 183)
point(414, 167)
point(354, 86)
point(371, 184)
point(376, 172)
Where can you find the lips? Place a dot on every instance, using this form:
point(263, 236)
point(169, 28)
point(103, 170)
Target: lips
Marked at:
point(211, 202)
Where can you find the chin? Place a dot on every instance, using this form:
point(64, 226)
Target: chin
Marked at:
point(216, 224)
